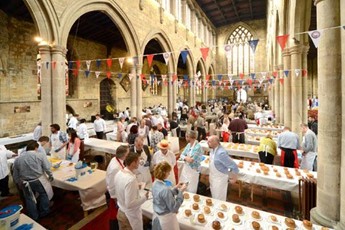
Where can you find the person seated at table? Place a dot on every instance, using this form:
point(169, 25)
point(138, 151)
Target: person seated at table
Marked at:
point(73, 149)
point(222, 169)
point(4, 172)
point(267, 149)
point(116, 164)
point(145, 160)
point(29, 173)
point(288, 142)
point(129, 201)
point(225, 129)
point(184, 115)
point(133, 133)
point(192, 155)
point(166, 200)
point(164, 154)
point(156, 137)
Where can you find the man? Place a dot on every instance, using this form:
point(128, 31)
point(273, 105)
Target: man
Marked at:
point(222, 169)
point(4, 172)
point(237, 127)
point(116, 164)
point(73, 122)
point(126, 113)
point(99, 126)
point(200, 124)
point(43, 147)
point(37, 131)
point(58, 142)
point(29, 172)
point(312, 124)
point(288, 142)
point(143, 152)
point(82, 130)
point(309, 146)
point(132, 121)
point(129, 201)
point(162, 130)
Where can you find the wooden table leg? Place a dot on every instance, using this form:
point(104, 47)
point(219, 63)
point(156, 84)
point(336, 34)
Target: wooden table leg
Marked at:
point(86, 213)
point(239, 188)
point(251, 192)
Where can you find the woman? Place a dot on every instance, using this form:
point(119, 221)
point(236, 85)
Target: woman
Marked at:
point(144, 131)
point(267, 149)
point(166, 201)
point(73, 149)
point(133, 133)
point(225, 130)
point(164, 154)
point(82, 130)
point(192, 155)
point(156, 137)
point(120, 129)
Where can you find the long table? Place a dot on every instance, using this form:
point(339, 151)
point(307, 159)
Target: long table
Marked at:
point(249, 151)
point(226, 222)
point(102, 145)
point(266, 127)
point(24, 219)
point(16, 139)
point(261, 133)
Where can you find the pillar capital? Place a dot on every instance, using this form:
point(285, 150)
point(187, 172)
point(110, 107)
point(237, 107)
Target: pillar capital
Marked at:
point(296, 49)
point(317, 1)
point(44, 48)
point(286, 52)
point(59, 49)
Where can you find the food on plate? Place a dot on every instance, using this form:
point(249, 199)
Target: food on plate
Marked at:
point(307, 225)
point(201, 218)
point(275, 170)
point(70, 164)
point(265, 173)
point(223, 207)
point(274, 227)
point(298, 173)
point(236, 218)
point(289, 176)
point(256, 215)
point(252, 163)
point(305, 170)
point(188, 212)
point(196, 198)
point(324, 228)
point(240, 166)
point(273, 218)
point(238, 209)
point(220, 215)
point(258, 170)
point(262, 164)
point(195, 206)
point(209, 202)
point(310, 175)
point(185, 196)
point(207, 210)
point(290, 222)
point(216, 225)
point(278, 174)
point(256, 225)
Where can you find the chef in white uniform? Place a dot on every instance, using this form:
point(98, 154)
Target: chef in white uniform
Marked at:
point(222, 169)
point(143, 172)
point(58, 141)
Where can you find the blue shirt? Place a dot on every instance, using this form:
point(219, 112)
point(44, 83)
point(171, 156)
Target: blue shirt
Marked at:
point(288, 140)
point(223, 162)
point(196, 153)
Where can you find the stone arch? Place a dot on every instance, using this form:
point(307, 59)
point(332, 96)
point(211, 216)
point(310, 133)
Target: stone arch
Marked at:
point(190, 59)
point(45, 19)
point(165, 43)
point(107, 103)
point(234, 26)
point(79, 7)
point(69, 109)
point(203, 67)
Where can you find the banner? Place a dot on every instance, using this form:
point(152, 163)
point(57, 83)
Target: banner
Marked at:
point(204, 52)
point(184, 54)
point(253, 44)
point(282, 40)
point(150, 59)
point(315, 36)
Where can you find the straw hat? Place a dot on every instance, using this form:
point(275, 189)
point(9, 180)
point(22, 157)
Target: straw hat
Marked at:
point(164, 144)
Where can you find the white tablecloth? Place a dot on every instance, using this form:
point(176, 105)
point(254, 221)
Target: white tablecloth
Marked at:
point(266, 127)
point(227, 224)
point(24, 219)
point(261, 133)
point(16, 139)
point(91, 187)
point(102, 145)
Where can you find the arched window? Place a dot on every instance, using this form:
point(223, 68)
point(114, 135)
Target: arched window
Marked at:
point(240, 59)
point(155, 81)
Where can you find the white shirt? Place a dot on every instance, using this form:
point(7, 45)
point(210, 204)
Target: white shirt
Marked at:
point(72, 123)
point(159, 157)
point(126, 113)
point(82, 131)
point(37, 132)
point(4, 155)
point(113, 168)
point(129, 126)
point(99, 125)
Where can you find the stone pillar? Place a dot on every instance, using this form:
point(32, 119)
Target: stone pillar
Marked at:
point(191, 92)
point(305, 86)
point(277, 99)
point(281, 99)
point(296, 89)
point(183, 11)
point(171, 94)
point(139, 92)
point(192, 18)
point(204, 92)
point(287, 88)
point(46, 90)
point(134, 91)
point(330, 127)
point(58, 54)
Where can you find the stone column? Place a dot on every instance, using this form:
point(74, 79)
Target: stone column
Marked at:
point(46, 89)
point(305, 86)
point(281, 99)
point(58, 86)
point(277, 99)
point(287, 88)
point(139, 92)
point(171, 94)
point(192, 18)
point(191, 92)
point(204, 91)
point(183, 11)
point(134, 91)
point(330, 127)
point(296, 89)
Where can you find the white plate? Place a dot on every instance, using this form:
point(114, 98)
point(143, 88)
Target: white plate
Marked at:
point(234, 212)
point(191, 208)
point(240, 223)
point(268, 219)
point(209, 214)
point(209, 226)
point(249, 225)
point(285, 226)
point(187, 217)
point(221, 219)
point(271, 225)
point(196, 222)
point(221, 209)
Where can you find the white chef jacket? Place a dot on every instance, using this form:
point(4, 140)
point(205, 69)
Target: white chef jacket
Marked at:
point(4, 155)
point(99, 125)
point(72, 123)
point(113, 168)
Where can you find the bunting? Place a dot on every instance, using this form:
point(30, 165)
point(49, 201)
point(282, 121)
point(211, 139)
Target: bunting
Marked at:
point(297, 72)
point(253, 44)
point(315, 36)
point(166, 57)
point(98, 63)
point(121, 61)
point(87, 73)
point(282, 40)
point(150, 59)
point(88, 64)
point(97, 73)
point(184, 54)
point(286, 73)
point(204, 52)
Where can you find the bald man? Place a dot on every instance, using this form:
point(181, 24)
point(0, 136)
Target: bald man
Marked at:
point(222, 169)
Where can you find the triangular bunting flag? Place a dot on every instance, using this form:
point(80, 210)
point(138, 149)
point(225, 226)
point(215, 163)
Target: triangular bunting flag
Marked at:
point(208, 77)
point(164, 77)
point(121, 61)
point(270, 80)
point(253, 75)
point(78, 64)
point(130, 76)
point(98, 63)
point(281, 80)
point(142, 76)
point(204, 52)
point(275, 74)
point(119, 75)
point(109, 61)
point(54, 64)
point(261, 81)
point(220, 77)
point(286, 73)
point(250, 81)
point(297, 72)
point(87, 73)
point(304, 72)
point(315, 36)
point(150, 59)
point(184, 54)
point(185, 77)
point(241, 75)
point(97, 73)
point(231, 82)
point(282, 40)
point(88, 63)
point(166, 57)
point(108, 74)
point(253, 44)
point(70, 65)
point(263, 74)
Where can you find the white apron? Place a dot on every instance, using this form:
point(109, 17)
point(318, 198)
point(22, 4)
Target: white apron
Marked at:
point(135, 218)
point(190, 175)
point(47, 186)
point(144, 171)
point(218, 182)
point(55, 145)
point(308, 161)
point(167, 221)
point(75, 157)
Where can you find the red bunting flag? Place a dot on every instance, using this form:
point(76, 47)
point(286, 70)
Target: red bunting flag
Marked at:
point(250, 81)
point(108, 74)
point(142, 76)
point(204, 52)
point(109, 61)
point(174, 77)
point(150, 59)
point(208, 77)
point(304, 72)
point(78, 64)
point(241, 75)
point(54, 64)
point(275, 74)
point(282, 40)
point(281, 80)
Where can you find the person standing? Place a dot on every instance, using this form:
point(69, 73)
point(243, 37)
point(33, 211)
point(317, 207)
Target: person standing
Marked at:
point(73, 149)
point(4, 172)
point(222, 169)
point(144, 131)
point(312, 124)
point(192, 155)
point(288, 142)
point(129, 201)
point(58, 142)
point(29, 173)
point(225, 129)
point(309, 146)
point(267, 149)
point(237, 127)
point(99, 126)
point(166, 200)
point(82, 130)
point(73, 122)
point(156, 137)
point(121, 134)
point(164, 154)
point(37, 131)
point(200, 125)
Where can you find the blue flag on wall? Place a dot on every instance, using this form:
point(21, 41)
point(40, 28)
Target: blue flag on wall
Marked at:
point(184, 54)
point(253, 44)
point(286, 73)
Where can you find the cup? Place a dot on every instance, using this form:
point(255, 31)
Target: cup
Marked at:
point(93, 165)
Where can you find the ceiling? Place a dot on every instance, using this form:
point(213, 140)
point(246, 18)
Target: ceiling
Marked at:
point(225, 12)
